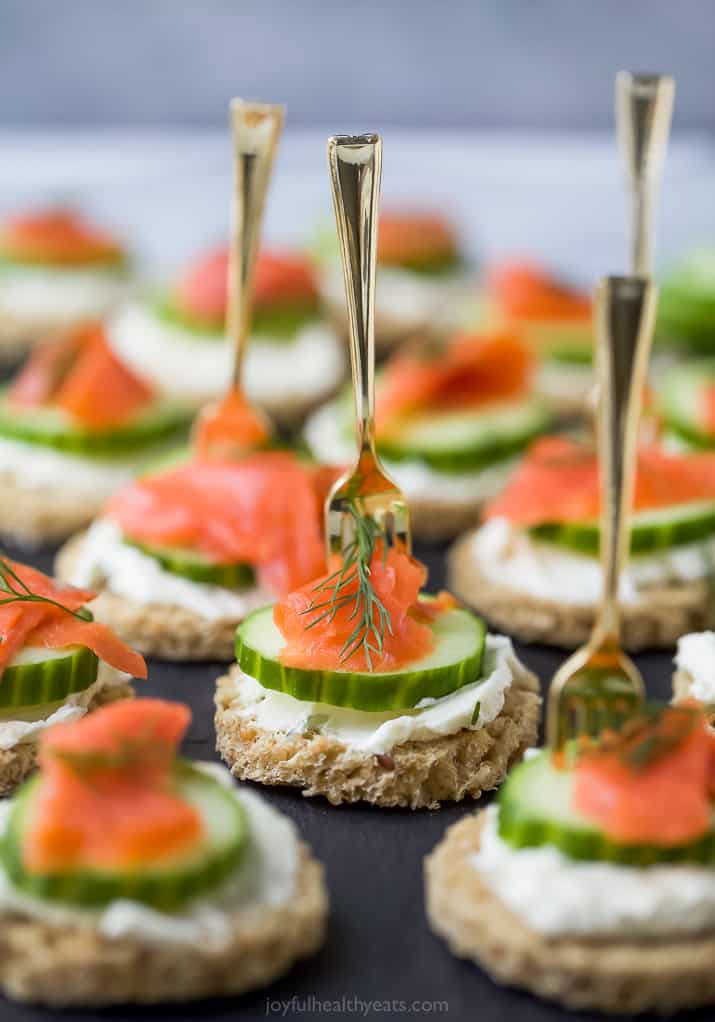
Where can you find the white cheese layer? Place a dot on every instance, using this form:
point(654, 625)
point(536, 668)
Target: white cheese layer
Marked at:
point(34, 467)
point(197, 368)
point(558, 381)
point(374, 733)
point(266, 877)
point(60, 296)
point(558, 896)
point(696, 656)
point(103, 559)
point(17, 732)
point(507, 556)
point(418, 481)
point(410, 299)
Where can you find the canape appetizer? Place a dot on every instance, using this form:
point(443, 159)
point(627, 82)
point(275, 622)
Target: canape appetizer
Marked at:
point(694, 676)
point(75, 424)
point(360, 687)
point(532, 568)
point(685, 403)
point(421, 273)
point(56, 270)
point(295, 359)
point(555, 317)
point(593, 883)
point(686, 309)
point(56, 663)
point(453, 417)
point(184, 554)
point(129, 874)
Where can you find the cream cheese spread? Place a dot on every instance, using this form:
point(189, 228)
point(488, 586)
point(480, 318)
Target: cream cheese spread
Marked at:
point(59, 296)
point(696, 656)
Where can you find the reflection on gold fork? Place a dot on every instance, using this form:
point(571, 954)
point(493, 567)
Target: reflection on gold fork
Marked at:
point(599, 686)
point(355, 164)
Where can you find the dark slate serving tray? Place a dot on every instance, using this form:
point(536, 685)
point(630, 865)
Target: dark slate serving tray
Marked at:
point(380, 960)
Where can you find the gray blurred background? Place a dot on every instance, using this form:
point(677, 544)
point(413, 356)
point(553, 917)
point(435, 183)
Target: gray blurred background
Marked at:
point(486, 63)
point(498, 111)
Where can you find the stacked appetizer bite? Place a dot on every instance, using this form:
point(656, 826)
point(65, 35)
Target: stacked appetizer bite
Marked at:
point(177, 341)
point(453, 417)
point(555, 318)
point(183, 554)
point(56, 663)
point(75, 424)
point(56, 270)
point(686, 310)
point(358, 686)
point(533, 568)
point(129, 874)
point(421, 274)
point(685, 403)
point(592, 880)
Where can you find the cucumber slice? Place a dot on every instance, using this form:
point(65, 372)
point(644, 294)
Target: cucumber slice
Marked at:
point(277, 323)
point(455, 661)
point(536, 808)
point(681, 399)
point(166, 887)
point(197, 566)
point(686, 308)
point(460, 441)
point(51, 427)
point(650, 530)
point(37, 676)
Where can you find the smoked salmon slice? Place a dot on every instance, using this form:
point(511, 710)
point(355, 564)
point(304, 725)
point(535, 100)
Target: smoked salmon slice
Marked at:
point(525, 292)
point(57, 236)
point(106, 798)
point(265, 510)
point(639, 796)
point(558, 481)
point(316, 641)
point(28, 619)
point(468, 371)
point(413, 239)
point(233, 426)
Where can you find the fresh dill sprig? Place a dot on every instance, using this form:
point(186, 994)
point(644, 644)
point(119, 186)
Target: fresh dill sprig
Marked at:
point(19, 592)
point(369, 613)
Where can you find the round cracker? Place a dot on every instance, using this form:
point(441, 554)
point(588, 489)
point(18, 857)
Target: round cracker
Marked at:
point(663, 615)
point(75, 965)
point(155, 629)
point(414, 774)
point(19, 761)
point(32, 517)
point(610, 974)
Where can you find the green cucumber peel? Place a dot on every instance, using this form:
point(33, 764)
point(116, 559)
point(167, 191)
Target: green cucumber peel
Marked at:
point(195, 566)
point(456, 660)
point(45, 681)
point(166, 888)
point(271, 323)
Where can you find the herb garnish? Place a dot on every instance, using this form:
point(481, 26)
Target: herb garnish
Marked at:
point(369, 612)
point(20, 592)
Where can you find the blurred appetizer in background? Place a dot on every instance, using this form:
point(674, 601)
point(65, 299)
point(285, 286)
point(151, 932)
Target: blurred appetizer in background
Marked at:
point(56, 663)
point(421, 273)
point(128, 874)
point(694, 676)
point(684, 400)
point(453, 417)
point(182, 555)
point(555, 318)
point(177, 341)
point(360, 687)
point(75, 425)
point(686, 309)
point(591, 881)
point(532, 568)
point(57, 270)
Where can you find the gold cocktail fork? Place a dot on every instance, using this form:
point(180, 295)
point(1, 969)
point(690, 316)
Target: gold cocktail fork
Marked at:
point(255, 131)
point(355, 164)
point(644, 108)
point(599, 686)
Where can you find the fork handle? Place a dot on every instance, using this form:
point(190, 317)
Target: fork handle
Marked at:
point(355, 164)
point(624, 323)
point(255, 130)
point(644, 107)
